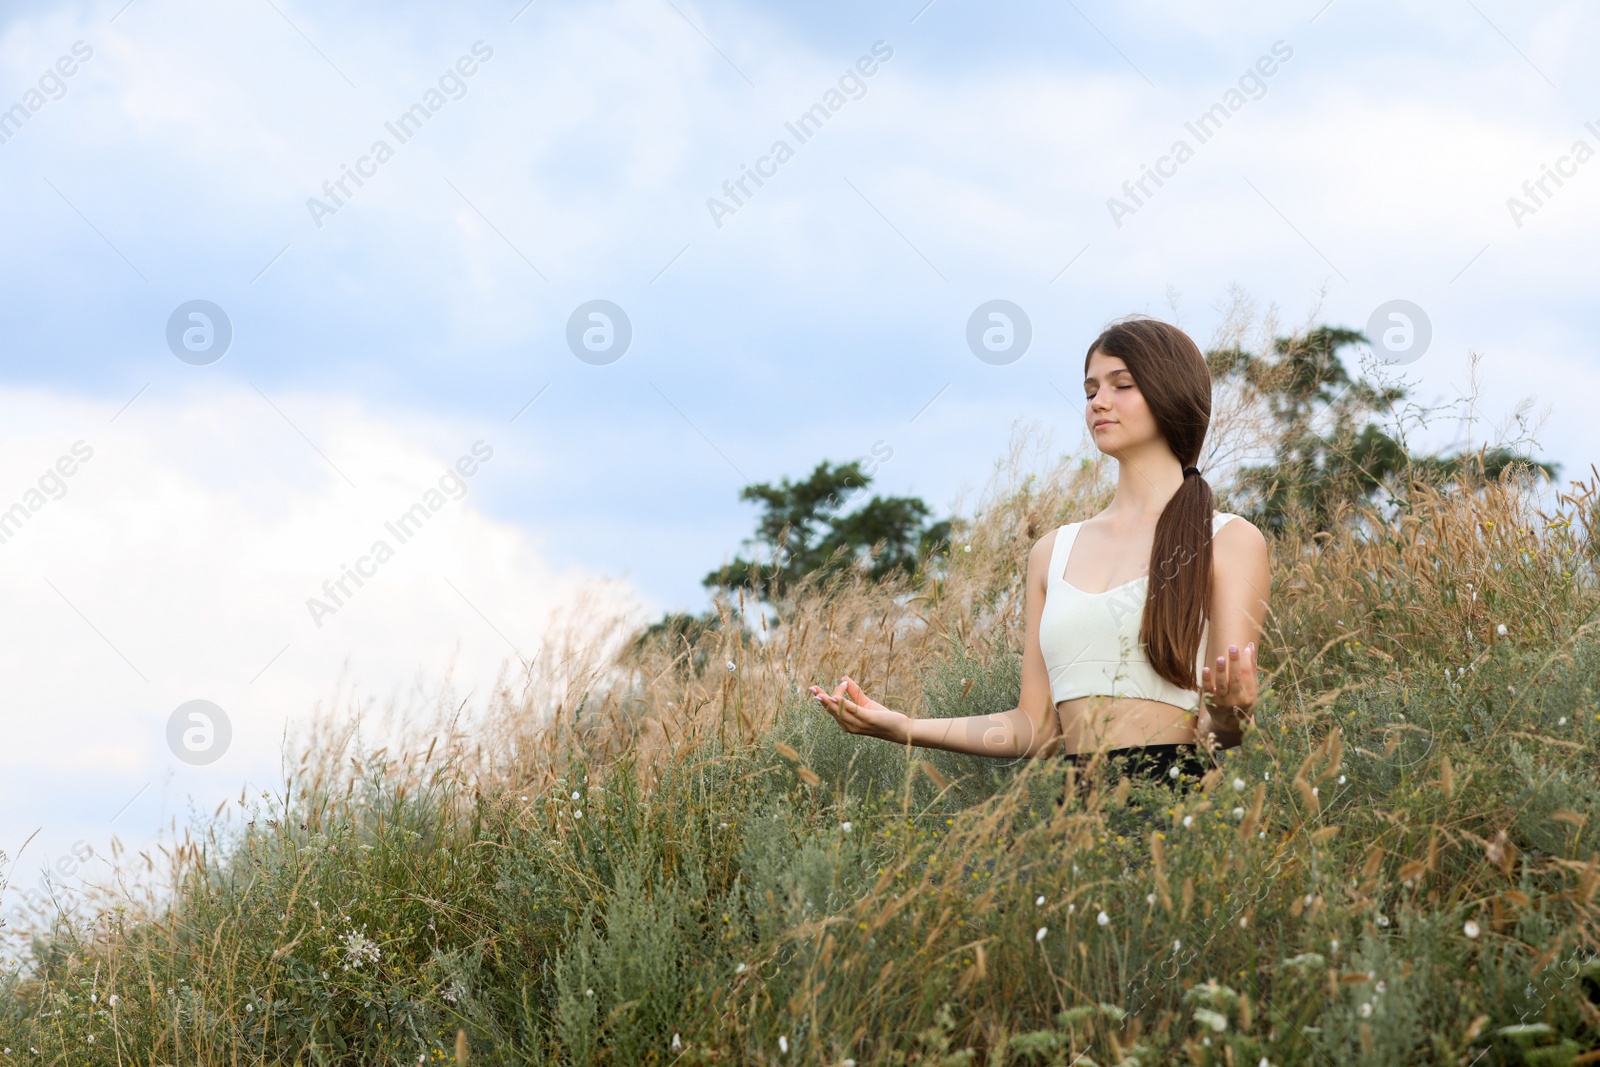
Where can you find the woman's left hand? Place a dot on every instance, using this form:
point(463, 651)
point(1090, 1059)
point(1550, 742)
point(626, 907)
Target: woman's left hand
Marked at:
point(1229, 687)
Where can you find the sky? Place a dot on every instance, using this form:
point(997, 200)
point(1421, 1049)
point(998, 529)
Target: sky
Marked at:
point(362, 342)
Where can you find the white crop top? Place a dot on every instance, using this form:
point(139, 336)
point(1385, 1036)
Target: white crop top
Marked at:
point(1091, 641)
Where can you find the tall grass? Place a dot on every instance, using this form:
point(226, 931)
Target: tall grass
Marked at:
point(637, 860)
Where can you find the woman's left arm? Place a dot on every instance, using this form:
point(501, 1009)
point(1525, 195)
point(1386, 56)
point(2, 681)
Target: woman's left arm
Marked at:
point(1241, 580)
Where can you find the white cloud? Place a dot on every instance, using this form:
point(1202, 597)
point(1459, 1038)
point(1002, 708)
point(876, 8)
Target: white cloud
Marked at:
point(176, 561)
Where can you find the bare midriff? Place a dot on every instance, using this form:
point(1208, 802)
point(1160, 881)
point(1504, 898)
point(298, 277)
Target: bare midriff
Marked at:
point(1088, 723)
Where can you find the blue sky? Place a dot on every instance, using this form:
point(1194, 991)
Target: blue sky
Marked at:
point(827, 314)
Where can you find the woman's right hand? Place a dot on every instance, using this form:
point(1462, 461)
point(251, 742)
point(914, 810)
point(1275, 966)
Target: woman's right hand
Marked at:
point(860, 714)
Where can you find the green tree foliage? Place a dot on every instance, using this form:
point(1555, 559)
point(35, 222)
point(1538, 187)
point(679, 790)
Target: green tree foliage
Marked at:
point(1329, 449)
point(806, 528)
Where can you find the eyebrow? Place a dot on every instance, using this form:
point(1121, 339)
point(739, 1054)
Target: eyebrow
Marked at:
point(1109, 374)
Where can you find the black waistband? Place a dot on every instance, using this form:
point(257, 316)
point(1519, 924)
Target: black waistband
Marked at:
point(1151, 761)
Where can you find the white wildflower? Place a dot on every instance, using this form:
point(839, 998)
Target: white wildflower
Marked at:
point(1040, 935)
point(845, 827)
point(1471, 929)
point(1238, 785)
point(1366, 1010)
point(1103, 919)
point(1501, 629)
point(1040, 902)
point(783, 1041)
point(359, 949)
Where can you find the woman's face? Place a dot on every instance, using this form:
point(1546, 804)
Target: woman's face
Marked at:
point(1115, 411)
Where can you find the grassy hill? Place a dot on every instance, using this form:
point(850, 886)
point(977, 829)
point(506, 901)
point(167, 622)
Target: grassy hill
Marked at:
point(658, 858)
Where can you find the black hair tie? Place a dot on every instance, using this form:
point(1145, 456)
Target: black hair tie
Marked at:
point(1191, 470)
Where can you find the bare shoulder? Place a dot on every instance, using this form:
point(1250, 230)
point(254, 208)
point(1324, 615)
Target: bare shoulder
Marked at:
point(1039, 554)
point(1239, 544)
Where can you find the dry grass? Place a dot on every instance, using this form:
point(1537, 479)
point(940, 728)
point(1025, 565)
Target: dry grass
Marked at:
point(619, 850)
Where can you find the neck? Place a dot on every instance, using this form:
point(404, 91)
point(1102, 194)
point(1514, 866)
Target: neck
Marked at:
point(1146, 480)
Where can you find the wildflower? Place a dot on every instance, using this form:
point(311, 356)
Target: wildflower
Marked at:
point(1383, 920)
point(1150, 899)
point(723, 825)
point(574, 794)
point(1188, 821)
point(730, 665)
point(966, 548)
point(738, 969)
point(783, 1041)
point(1333, 946)
point(250, 1007)
point(1561, 721)
point(1366, 1011)
point(1341, 779)
point(1071, 908)
point(112, 1000)
point(1103, 919)
point(1040, 935)
point(1176, 945)
point(578, 814)
point(1173, 772)
point(1238, 785)
point(845, 827)
point(1040, 902)
point(588, 992)
point(359, 949)
point(677, 1043)
point(1238, 813)
point(1244, 921)
point(1471, 929)
point(1501, 629)
point(1381, 987)
point(1216, 1020)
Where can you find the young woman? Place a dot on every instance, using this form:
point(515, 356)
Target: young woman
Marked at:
point(1142, 621)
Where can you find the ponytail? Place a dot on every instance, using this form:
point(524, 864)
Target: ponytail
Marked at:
point(1171, 374)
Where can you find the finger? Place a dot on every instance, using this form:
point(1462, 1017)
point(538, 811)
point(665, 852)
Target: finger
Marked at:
point(853, 689)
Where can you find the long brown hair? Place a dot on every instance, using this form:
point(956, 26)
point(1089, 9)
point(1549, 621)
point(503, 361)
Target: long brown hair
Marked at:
point(1171, 374)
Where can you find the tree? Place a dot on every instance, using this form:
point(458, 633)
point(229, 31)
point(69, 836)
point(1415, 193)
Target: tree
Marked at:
point(805, 529)
point(1328, 449)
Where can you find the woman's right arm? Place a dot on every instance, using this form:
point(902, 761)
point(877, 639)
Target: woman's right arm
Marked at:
point(1025, 730)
